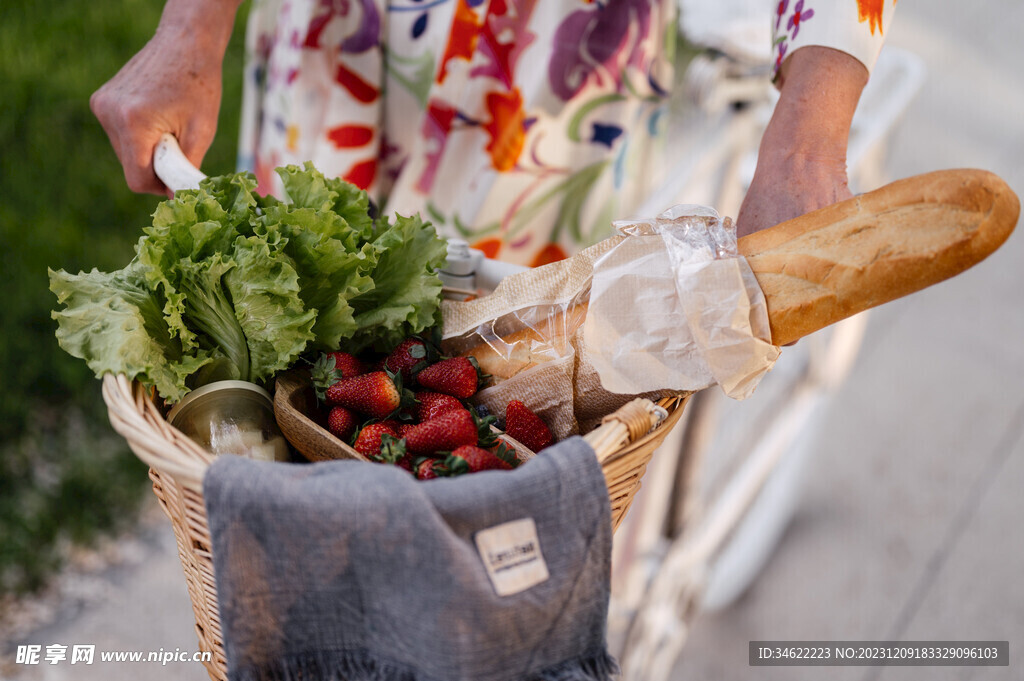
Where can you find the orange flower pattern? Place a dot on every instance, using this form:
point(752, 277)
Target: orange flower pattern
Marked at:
point(871, 11)
point(505, 128)
point(462, 39)
point(491, 247)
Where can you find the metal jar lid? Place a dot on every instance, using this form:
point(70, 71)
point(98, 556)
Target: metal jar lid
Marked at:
point(215, 387)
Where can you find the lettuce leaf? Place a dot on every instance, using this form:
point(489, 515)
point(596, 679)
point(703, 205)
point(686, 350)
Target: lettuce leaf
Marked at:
point(408, 253)
point(115, 323)
point(330, 273)
point(228, 284)
point(275, 322)
point(307, 188)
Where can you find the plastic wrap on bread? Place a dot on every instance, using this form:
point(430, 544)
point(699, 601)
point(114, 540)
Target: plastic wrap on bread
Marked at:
point(676, 306)
point(528, 335)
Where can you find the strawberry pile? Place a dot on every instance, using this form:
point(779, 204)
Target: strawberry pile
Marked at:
point(409, 408)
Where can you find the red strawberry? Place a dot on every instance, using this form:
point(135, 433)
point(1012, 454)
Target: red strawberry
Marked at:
point(428, 469)
point(342, 423)
point(443, 433)
point(369, 440)
point(407, 358)
point(404, 428)
point(407, 462)
point(525, 426)
point(433, 404)
point(392, 448)
point(506, 452)
point(457, 376)
point(373, 394)
point(348, 364)
point(470, 459)
point(330, 368)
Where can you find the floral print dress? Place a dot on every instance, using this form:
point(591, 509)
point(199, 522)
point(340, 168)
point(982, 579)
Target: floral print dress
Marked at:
point(523, 126)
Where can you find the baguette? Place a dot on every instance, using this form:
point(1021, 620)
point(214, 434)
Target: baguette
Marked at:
point(832, 263)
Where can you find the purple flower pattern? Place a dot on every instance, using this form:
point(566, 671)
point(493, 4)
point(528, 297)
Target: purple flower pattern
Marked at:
point(598, 36)
point(796, 18)
point(799, 15)
point(780, 12)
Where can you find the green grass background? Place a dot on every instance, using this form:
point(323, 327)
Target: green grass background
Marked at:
point(65, 476)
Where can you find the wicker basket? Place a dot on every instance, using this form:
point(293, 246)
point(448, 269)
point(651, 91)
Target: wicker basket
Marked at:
point(624, 445)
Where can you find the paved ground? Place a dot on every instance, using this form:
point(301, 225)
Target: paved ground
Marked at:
point(909, 526)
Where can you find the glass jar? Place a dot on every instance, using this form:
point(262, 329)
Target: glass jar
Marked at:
point(231, 417)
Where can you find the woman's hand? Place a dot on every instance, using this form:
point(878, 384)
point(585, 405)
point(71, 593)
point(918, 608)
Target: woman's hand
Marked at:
point(172, 85)
point(801, 165)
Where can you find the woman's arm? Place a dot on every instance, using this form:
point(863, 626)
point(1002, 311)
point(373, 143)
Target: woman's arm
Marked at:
point(801, 164)
point(172, 85)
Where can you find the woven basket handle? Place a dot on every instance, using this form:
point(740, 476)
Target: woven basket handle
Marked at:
point(626, 425)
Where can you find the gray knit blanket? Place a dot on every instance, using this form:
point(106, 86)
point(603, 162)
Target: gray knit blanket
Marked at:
point(356, 571)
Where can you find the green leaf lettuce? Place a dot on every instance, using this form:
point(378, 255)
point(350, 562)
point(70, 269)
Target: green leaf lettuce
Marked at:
point(228, 284)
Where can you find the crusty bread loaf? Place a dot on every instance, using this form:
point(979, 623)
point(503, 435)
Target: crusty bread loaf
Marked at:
point(834, 262)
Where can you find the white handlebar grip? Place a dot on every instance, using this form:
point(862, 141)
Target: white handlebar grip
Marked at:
point(172, 167)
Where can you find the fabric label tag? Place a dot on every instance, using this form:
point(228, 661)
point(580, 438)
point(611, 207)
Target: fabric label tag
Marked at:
point(511, 554)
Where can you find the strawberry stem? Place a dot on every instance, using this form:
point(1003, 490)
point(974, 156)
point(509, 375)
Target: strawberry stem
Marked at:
point(482, 378)
point(324, 374)
point(391, 448)
point(486, 437)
